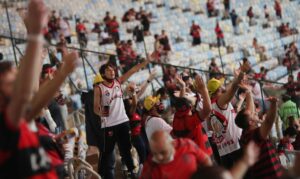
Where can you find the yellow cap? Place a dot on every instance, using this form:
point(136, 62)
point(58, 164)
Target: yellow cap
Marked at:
point(150, 102)
point(214, 84)
point(98, 79)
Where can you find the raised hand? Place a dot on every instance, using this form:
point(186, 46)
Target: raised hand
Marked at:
point(199, 83)
point(70, 62)
point(272, 100)
point(180, 81)
point(37, 17)
point(152, 75)
point(251, 153)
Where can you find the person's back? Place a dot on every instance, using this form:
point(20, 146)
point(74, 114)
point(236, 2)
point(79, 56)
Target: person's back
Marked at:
point(287, 109)
point(268, 165)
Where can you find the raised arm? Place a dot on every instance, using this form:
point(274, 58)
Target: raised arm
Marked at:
point(133, 70)
point(249, 98)
point(182, 86)
point(48, 90)
point(145, 84)
point(226, 97)
point(249, 158)
point(270, 119)
point(30, 65)
point(202, 89)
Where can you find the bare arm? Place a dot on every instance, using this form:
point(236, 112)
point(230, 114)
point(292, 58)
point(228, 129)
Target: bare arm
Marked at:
point(202, 89)
point(249, 98)
point(30, 64)
point(226, 97)
point(145, 84)
point(249, 158)
point(182, 86)
point(97, 99)
point(133, 105)
point(133, 70)
point(48, 90)
point(270, 119)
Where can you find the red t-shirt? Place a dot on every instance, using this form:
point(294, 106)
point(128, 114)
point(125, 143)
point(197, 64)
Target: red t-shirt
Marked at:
point(113, 25)
point(80, 28)
point(191, 127)
point(219, 32)
point(188, 157)
point(21, 154)
point(195, 31)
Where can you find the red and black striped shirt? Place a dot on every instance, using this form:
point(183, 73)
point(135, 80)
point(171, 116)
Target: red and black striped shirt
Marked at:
point(21, 155)
point(268, 166)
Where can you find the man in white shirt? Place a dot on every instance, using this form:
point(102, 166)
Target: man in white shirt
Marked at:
point(154, 122)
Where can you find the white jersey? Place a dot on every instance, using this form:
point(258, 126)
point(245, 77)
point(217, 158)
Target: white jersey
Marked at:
point(226, 134)
point(112, 96)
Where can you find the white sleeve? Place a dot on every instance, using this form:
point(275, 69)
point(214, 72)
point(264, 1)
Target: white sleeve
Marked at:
point(50, 121)
point(162, 125)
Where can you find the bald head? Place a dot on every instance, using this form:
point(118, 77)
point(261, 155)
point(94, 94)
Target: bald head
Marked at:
point(161, 145)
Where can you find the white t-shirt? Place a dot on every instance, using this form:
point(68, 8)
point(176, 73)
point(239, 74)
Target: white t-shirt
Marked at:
point(64, 27)
point(112, 96)
point(153, 124)
point(226, 134)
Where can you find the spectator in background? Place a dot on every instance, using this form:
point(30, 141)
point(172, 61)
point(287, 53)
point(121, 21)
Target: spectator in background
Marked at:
point(235, 21)
point(227, 8)
point(158, 49)
point(81, 32)
point(289, 136)
point(65, 29)
point(145, 21)
point(214, 71)
point(104, 37)
point(107, 19)
point(266, 12)
point(53, 26)
point(164, 40)
point(177, 158)
point(277, 8)
point(195, 32)
point(291, 88)
point(288, 108)
point(96, 28)
point(268, 165)
point(169, 79)
point(138, 34)
point(260, 49)
point(113, 27)
point(250, 15)
point(210, 5)
point(220, 35)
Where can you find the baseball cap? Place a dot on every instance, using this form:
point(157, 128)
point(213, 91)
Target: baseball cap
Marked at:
point(98, 79)
point(214, 84)
point(150, 102)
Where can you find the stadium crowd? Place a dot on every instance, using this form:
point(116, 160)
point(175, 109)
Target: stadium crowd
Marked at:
point(189, 128)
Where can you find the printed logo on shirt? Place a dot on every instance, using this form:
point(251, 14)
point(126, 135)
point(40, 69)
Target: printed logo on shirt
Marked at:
point(106, 93)
point(219, 126)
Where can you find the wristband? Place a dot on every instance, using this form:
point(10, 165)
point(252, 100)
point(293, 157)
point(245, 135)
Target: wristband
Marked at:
point(35, 38)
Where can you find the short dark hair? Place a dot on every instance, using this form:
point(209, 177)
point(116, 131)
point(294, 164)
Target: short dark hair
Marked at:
point(211, 172)
point(5, 66)
point(103, 68)
point(241, 120)
point(285, 97)
point(181, 103)
point(162, 91)
point(290, 131)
